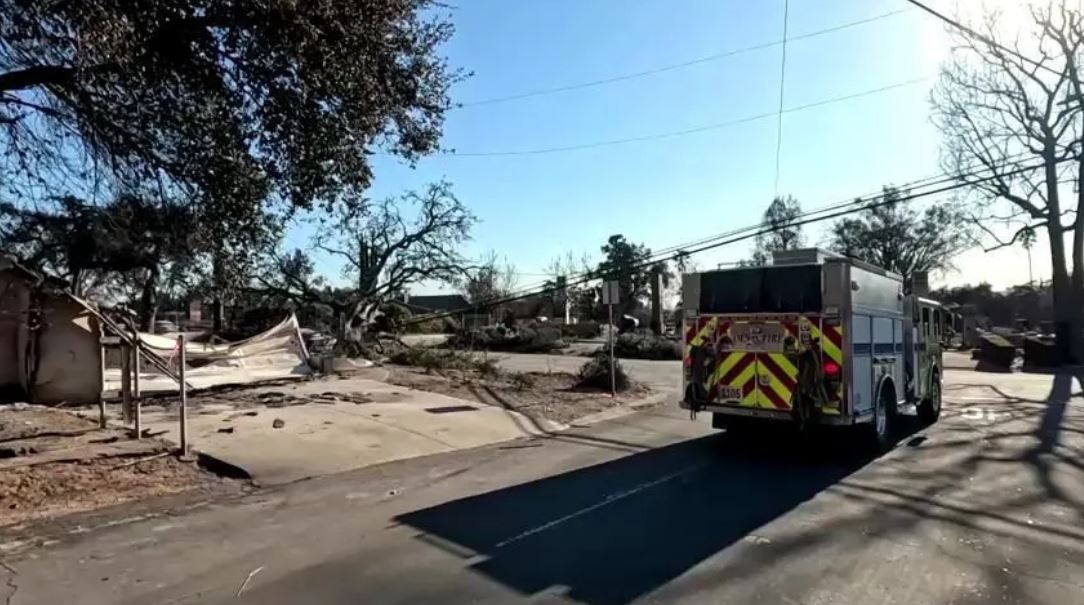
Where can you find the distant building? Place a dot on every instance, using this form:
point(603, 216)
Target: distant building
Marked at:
point(437, 303)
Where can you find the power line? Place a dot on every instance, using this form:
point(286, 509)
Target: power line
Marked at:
point(756, 230)
point(673, 66)
point(782, 82)
point(985, 39)
point(687, 131)
point(671, 252)
point(859, 202)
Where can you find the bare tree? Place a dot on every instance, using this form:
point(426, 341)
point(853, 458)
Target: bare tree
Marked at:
point(567, 270)
point(383, 251)
point(493, 278)
point(1012, 107)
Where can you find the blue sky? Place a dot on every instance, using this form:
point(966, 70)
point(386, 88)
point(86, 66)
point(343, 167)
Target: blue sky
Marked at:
point(662, 192)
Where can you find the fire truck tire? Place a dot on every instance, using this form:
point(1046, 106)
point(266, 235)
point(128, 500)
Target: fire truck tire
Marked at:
point(731, 424)
point(930, 409)
point(881, 430)
point(719, 421)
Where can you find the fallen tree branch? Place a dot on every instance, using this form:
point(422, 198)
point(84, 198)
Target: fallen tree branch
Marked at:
point(144, 459)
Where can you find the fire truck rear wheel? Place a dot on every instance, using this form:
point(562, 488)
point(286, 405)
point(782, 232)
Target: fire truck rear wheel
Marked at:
point(881, 428)
point(931, 406)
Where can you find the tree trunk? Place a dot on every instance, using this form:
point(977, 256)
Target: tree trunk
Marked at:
point(216, 301)
point(1066, 323)
point(1077, 280)
point(148, 301)
point(340, 324)
point(1063, 294)
point(76, 284)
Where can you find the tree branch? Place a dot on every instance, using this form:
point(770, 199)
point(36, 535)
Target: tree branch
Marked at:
point(38, 75)
point(1002, 243)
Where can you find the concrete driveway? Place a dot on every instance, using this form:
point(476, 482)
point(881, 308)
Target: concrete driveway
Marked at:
point(345, 424)
point(986, 506)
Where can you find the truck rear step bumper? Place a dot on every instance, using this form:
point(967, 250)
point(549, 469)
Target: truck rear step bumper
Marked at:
point(780, 415)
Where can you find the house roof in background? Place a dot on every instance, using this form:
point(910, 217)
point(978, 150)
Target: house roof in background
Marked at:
point(438, 302)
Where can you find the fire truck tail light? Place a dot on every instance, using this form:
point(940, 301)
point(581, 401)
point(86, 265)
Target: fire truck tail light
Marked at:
point(831, 369)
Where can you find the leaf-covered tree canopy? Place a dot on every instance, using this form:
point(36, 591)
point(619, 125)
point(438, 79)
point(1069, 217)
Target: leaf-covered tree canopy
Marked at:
point(629, 264)
point(231, 99)
point(894, 236)
point(780, 216)
point(132, 244)
point(126, 234)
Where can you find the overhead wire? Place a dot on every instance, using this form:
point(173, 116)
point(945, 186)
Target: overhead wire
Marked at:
point(674, 66)
point(970, 32)
point(752, 231)
point(686, 131)
point(782, 83)
point(670, 252)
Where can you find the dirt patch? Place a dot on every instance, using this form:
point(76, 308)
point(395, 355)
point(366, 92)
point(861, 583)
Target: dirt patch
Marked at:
point(55, 463)
point(23, 422)
point(31, 493)
point(539, 395)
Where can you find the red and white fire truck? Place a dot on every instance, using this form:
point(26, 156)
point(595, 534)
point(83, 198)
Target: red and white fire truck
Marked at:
point(813, 338)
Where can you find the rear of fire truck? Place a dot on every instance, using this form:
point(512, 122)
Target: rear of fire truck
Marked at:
point(765, 342)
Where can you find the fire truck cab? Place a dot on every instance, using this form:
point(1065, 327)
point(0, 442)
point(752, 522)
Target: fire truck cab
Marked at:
point(813, 338)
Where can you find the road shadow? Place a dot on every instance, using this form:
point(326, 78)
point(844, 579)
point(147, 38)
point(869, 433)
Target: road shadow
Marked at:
point(1048, 432)
point(615, 531)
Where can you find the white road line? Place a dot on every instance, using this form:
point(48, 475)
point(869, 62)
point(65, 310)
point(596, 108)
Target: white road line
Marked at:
point(609, 500)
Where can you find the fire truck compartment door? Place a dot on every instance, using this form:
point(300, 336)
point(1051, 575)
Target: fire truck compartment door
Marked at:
point(862, 363)
point(887, 332)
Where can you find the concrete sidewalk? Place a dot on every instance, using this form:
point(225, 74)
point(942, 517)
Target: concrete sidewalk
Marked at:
point(337, 424)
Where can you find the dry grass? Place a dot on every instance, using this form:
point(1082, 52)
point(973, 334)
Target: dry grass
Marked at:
point(554, 396)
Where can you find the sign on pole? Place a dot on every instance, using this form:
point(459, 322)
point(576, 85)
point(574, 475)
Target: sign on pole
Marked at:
point(611, 292)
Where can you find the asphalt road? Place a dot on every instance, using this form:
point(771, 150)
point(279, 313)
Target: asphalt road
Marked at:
point(987, 506)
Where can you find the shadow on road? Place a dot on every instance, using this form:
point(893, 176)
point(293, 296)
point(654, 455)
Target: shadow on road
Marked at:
point(615, 531)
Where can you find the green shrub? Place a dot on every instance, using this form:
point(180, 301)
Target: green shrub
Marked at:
point(521, 380)
point(439, 359)
point(540, 338)
point(582, 330)
point(637, 345)
point(487, 368)
point(595, 374)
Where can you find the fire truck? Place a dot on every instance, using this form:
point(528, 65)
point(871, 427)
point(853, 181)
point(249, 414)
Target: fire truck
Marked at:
point(814, 339)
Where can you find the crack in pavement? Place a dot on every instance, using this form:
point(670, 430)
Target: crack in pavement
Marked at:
point(10, 582)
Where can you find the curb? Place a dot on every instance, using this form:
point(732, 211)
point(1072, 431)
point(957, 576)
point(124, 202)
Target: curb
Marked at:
point(619, 411)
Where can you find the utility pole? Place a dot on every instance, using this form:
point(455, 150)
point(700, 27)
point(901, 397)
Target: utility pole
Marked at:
point(656, 301)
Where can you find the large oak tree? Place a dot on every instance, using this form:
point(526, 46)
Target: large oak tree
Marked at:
point(213, 94)
point(246, 110)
